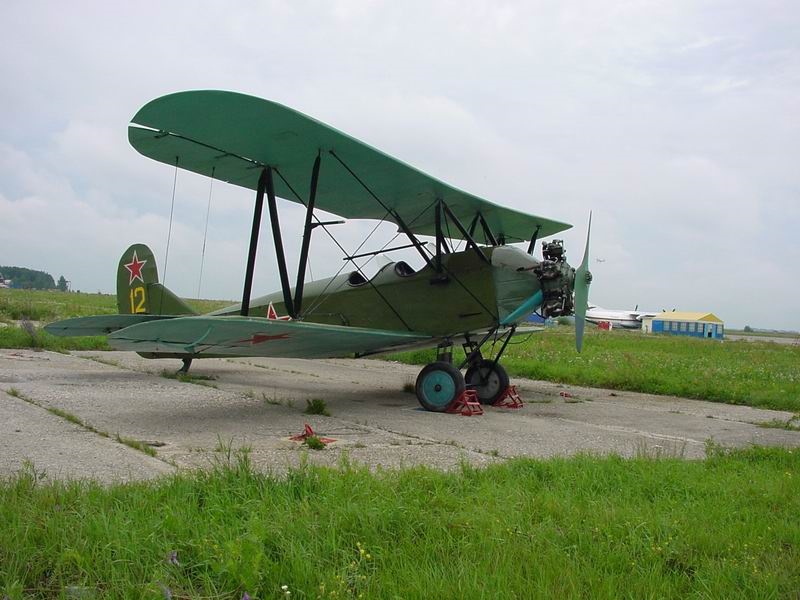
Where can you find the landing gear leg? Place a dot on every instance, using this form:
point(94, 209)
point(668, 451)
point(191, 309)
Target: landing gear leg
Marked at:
point(187, 362)
point(444, 352)
point(487, 377)
point(472, 353)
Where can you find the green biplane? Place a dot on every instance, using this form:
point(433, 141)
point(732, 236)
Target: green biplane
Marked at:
point(475, 297)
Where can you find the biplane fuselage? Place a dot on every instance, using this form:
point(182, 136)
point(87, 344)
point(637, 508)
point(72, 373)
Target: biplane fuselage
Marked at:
point(469, 295)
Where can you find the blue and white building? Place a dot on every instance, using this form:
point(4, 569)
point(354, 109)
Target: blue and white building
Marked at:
point(693, 324)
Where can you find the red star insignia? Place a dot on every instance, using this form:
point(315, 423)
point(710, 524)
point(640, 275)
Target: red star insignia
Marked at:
point(135, 268)
point(272, 314)
point(260, 338)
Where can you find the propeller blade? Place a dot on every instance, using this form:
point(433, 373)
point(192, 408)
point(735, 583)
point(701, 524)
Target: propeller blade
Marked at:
point(582, 280)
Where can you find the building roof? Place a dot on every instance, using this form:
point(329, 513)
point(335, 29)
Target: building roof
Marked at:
point(687, 316)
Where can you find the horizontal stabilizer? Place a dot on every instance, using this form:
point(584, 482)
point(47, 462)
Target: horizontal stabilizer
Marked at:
point(256, 336)
point(98, 325)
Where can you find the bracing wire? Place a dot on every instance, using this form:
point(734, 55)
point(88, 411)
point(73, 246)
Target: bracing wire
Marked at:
point(169, 230)
point(315, 305)
point(205, 233)
point(322, 297)
point(372, 285)
point(399, 233)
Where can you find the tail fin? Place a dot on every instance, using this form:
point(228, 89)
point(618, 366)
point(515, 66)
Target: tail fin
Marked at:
point(138, 290)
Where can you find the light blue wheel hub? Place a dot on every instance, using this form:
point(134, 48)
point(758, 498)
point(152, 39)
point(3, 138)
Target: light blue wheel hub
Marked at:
point(438, 388)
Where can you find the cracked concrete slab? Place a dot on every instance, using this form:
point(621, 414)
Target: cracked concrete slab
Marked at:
point(258, 404)
point(57, 448)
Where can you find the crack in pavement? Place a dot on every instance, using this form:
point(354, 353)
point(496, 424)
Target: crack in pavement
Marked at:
point(88, 427)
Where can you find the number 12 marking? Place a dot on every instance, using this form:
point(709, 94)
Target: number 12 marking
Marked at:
point(138, 300)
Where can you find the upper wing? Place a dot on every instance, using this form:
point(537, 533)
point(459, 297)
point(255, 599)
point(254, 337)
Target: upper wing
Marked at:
point(233, 136)
point(255, 336)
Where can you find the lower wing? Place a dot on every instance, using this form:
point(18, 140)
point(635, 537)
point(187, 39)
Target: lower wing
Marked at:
point(256, 336)
point(99, 324)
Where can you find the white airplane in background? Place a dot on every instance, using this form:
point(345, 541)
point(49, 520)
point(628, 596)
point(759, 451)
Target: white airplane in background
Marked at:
point(627, 319)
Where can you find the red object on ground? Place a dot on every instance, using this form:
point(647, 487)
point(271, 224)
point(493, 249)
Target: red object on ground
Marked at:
point(565, 395)
point(466, 404)
point(307, 433)
point(604, 325)
point(510, 398)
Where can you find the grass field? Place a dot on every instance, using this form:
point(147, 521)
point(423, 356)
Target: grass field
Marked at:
point(737, 372)
point(52, 305)
point(583, 527)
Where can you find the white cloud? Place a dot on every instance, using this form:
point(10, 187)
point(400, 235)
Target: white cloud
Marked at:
point(677, 123)
point(727, 84)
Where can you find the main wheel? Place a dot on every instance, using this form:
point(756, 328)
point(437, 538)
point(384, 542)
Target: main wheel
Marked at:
point(438, 384)
point(490, 380)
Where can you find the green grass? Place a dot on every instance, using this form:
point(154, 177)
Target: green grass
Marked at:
point(737, 372)
point(12, 336)
point(316, 406)
point(582, 527)
point(277, 401)
point(68, 416)
point(792, 424)
point(205, 380)
point(314, 442)
point(135, 444)
point(50, 305)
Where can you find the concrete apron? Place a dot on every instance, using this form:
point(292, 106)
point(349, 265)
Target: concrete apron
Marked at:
point(259, 403)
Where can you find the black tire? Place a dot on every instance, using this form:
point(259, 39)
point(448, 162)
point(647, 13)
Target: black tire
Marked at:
point(438, 384)
point(488, 379)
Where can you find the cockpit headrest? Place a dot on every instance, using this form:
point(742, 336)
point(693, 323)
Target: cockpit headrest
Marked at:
point(355, 278)
point(403, 269)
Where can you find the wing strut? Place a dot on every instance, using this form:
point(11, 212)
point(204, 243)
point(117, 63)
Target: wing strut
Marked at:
point(439, 239)
point(309, 227)
point(473, 224)
point(251, 255)
point(335, 241)
point(467, 236)
point(416, 243)
point(487, 231)
point(532, 245)
point(276, 236)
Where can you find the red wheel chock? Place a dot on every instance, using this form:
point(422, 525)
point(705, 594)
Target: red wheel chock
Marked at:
point(466, 404)
point(509, 399)
point(307, 433)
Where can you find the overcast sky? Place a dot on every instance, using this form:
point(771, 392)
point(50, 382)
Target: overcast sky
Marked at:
point(677, 123)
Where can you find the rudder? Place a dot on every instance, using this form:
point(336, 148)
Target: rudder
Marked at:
point(138, 290)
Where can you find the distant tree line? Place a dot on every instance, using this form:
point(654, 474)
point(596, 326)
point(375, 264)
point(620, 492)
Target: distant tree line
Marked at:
point(29, 278)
